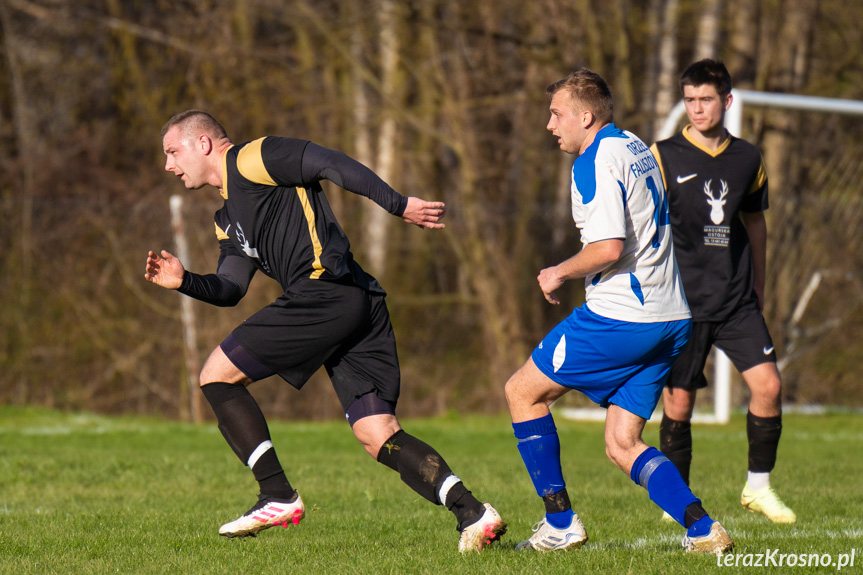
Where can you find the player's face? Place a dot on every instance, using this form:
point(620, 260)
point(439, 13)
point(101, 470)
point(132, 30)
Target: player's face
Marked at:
point(184, 159)
point(567, 122)
point(705, 107)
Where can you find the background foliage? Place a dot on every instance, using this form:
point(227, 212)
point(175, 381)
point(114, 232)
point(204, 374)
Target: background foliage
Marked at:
point(445, 100)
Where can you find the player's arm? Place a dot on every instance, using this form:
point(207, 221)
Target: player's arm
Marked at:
point(752, 215)
point(756, 228)
point(224, 288)
point(324, 164)
point(228, 285)
point(604, 228)
point(164, 269)
point(593, 258)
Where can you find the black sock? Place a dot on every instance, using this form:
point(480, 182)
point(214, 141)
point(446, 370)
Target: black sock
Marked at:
point(694, 512)
point(424, 470)
point(763, 434)
point(557, 502)
point(675, 443)
point(245, 429)
point(466, 508)
point(271, 477)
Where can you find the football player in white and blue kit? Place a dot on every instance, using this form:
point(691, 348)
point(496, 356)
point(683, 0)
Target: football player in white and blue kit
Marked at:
point(619, 346)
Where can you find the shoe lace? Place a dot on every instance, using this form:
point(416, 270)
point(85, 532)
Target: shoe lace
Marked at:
point(260, 503)
point(537, 526)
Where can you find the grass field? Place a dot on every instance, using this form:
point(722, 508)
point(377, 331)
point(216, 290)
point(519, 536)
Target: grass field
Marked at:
point(89, 494)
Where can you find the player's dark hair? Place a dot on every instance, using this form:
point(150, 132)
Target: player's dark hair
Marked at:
point(590, 90)
point(198, 120)
point(707, 71)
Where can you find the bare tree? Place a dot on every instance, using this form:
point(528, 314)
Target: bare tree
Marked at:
point(666, 86)
point(743, 42)
point(707, 37)
point(787, 70)
point(377, 222)
point(26, 136)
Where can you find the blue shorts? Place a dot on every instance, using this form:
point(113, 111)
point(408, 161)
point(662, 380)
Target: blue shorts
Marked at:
point(612, 361)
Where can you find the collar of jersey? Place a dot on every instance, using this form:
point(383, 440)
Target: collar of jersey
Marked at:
point(713, 153)
point(609, 131)
point(223, 191)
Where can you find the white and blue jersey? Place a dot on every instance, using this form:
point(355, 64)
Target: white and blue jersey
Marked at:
point(618, 193)
point(619, 347)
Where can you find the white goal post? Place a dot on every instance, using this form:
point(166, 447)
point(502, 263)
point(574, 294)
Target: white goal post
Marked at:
point(733, 122)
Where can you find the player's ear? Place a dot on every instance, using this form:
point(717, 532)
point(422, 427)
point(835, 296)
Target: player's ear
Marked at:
point(728, 100)
point(205, 144)
point(587, 119)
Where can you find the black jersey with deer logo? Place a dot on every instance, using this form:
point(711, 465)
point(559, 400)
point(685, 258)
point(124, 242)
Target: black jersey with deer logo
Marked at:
point(707, 189)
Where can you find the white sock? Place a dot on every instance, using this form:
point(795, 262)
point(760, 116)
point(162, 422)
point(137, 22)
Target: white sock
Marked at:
point(258, 452)
point(447, 484)
point(758, 480)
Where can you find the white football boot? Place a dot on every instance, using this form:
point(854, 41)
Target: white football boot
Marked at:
point(482, 532)
point(267, 512)
point(717, 541)
point(547, 537)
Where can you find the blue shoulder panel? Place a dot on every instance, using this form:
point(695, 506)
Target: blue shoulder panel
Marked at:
point(584, 167)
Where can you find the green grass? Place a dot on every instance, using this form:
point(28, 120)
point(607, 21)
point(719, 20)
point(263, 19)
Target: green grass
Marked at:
point(88, 494)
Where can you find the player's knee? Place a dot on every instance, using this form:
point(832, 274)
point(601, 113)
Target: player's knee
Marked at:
point(205, 377)
point(219, 368)
point(616, 454)
point(769, 388)
point(210, 373)
point(609, 452)
point(510, 392)
point(614, 450)
point(678, 403)
point(521, 390)
point(620, 448)
point(517, 392)
point(373, 431)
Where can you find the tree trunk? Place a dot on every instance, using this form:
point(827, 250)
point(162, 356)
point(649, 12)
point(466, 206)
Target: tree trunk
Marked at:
point(707, 38)
point(666, 81)
point(474, 241)
point(376, 221)
point(28, 152)
point(743, 41)
point(787, 72)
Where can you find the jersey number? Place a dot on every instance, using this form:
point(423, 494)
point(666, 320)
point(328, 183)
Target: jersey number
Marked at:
point(660, 214)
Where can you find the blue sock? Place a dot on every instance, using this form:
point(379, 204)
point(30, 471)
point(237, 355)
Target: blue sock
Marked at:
point(539, 447)
point(560, 520)
point(653, 471)
point(700, 527)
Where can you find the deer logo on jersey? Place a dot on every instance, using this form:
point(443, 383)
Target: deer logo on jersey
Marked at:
point(247, 248)
point(717, 214)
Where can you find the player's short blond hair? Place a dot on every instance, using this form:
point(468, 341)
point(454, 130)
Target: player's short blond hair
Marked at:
point(590, 90)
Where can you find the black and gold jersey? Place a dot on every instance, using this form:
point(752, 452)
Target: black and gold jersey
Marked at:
point(707, 189)
point(276, 214)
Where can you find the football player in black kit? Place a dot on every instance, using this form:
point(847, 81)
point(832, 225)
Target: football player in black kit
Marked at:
point(717, 194)
point(276, 219)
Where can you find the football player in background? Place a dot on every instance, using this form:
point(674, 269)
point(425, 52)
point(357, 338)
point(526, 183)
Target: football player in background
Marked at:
point(717, 194)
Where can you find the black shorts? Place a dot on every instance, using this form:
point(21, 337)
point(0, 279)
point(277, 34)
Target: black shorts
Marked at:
point(338, 325)
point(743, 337)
